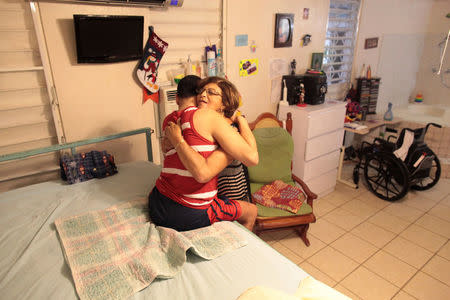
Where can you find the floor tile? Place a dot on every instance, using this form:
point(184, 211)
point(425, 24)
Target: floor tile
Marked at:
point(354, 247)
point(445, 251)
point(390, 268)
point(418, 201)
point(317, 274)
point(373, 234)
point(438, 268)
point(425, 287)
point(403, 296)
point(266, 237)
point(337, 198)
point(343, 218)
point(359, 208)
point(409, 252)
point(435, 224)
point(389, 222)
point(333, 263)
point(433, 194)
point(446, 200)
point(296, 245)
point(346, 292)
point(280, 234)
point(296, 259)
point(322, 207)
point(441, 211)
point(372, 200)
point(403, 211)
point(369, 285)
point(443, 185)
point(325, 231)
point(423, 237)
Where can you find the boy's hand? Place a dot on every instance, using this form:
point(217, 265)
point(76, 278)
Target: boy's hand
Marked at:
point(173, 133)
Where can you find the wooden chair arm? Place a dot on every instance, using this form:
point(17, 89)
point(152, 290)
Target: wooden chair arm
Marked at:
point(310, 196)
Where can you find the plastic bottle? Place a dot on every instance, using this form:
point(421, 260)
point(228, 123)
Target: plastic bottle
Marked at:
point(369, 73)
point(284, 100)
point(211, 63)
point(189, 67)
point(220, 64)
point(363, 71)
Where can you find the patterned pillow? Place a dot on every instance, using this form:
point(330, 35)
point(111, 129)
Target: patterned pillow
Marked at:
point(280, 195)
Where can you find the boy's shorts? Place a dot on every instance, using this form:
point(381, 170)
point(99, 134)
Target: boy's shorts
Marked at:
point(168, 213)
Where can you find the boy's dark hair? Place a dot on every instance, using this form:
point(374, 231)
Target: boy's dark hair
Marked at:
point(187, 87)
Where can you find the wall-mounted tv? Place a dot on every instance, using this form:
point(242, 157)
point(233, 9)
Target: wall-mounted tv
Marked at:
point(104, 39)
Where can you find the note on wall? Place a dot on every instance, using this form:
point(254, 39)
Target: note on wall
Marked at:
point(241, 40)
point(278, 68)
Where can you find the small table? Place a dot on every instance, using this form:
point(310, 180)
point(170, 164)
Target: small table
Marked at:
point(373, 121)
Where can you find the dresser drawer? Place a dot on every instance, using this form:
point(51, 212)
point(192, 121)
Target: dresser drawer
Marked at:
point(323, 184)
point(321, 165)
point(324, 121)
point(323, 144)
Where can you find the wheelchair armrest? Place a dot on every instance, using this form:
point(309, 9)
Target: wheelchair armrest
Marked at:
point(310, 196)
point(391, 136)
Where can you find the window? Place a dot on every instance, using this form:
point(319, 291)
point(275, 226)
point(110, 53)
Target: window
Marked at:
point(340, 44)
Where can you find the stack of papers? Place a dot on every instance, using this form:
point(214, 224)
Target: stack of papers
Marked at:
point(355, 126)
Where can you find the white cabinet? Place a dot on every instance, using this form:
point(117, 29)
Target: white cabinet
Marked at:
point(318, 132)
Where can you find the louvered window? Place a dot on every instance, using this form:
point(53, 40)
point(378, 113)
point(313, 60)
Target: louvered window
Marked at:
point(340, 42)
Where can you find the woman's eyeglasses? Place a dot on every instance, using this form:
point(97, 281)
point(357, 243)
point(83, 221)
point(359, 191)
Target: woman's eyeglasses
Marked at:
point(209, 92)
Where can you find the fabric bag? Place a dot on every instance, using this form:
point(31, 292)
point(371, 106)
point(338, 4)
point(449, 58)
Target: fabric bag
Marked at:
point(85, 166)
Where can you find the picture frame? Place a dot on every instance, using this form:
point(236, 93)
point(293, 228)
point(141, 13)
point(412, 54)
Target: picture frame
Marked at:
point(371, 43)
point(316, 61)
point(284, 29)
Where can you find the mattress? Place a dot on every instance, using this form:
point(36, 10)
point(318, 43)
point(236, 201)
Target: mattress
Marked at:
point(32, 262)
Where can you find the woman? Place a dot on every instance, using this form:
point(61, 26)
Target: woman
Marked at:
point(178, 200)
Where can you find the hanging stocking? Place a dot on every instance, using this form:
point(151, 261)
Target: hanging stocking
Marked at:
point(147, 71)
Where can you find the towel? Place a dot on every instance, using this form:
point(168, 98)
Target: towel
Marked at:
point(116, 252)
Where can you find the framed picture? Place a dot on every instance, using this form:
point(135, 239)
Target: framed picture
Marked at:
point(371, 43)
point(284, 28)
point(316, 61)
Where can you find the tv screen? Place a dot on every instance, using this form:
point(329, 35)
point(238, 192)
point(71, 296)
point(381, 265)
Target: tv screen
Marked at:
point(103, 39)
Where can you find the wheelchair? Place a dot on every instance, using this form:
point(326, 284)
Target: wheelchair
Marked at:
point(390, 177)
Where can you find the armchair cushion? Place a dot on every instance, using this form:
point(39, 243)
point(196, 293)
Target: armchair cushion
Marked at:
point(280, 195)
point(275, 147)
point(264, 211)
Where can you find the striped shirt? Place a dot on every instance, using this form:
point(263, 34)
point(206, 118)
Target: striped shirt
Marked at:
point(175, 181)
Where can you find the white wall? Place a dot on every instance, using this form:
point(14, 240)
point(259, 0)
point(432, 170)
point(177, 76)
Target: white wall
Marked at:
point(402, 58)
point(257, 19)
point(101, 99)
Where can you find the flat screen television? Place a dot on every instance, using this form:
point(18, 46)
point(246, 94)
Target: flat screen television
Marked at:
point(104, 39)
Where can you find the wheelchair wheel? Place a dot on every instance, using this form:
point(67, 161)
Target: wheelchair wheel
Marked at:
point(386, 176)
point(433, 177)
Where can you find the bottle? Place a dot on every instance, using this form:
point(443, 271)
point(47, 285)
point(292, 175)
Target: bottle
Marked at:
point(369, 73)
point(388, 115)
point(198, 69)
point(363, 71)
point(190, 69)
point(284, 100)
point(211, 63)
point(220, 64)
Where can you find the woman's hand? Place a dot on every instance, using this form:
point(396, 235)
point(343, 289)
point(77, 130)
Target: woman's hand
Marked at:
point(173, 133)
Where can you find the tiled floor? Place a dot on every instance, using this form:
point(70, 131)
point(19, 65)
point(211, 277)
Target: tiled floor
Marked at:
point(369, 248)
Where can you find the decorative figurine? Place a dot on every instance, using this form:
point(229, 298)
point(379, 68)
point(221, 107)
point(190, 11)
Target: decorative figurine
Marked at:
point(388, 115)
point(293, 66)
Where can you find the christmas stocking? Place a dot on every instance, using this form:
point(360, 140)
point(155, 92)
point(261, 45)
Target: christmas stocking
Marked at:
point(148, 67)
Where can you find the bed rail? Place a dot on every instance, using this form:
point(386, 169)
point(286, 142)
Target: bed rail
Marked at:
point(19, 155)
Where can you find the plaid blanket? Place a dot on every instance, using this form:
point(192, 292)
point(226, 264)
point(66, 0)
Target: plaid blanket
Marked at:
point(117, 252)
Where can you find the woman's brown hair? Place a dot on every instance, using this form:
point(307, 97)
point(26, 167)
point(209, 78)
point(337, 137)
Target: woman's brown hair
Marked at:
point(230, 94)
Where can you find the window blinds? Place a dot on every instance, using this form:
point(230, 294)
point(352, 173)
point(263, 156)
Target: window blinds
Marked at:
point(340, 41)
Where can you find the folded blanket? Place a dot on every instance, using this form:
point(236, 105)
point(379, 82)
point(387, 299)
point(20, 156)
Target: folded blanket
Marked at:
point(280, 195)
point(116, 252)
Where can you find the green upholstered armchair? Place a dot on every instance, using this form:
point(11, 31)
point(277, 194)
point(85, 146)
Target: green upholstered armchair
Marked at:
point(276, 148)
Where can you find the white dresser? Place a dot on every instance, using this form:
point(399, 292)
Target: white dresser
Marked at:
point(318, 132)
